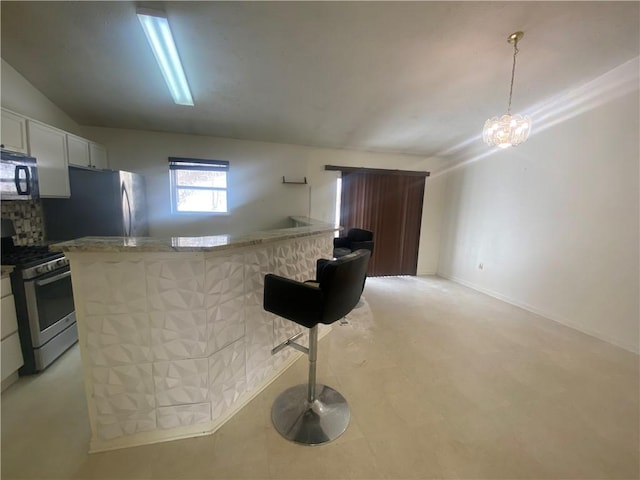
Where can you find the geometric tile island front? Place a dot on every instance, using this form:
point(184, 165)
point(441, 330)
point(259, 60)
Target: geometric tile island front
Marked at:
point(174, 343)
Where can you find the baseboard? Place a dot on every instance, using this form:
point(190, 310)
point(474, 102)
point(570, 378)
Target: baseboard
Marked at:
point(549, 316)
point(426, 273)
point(10, 380)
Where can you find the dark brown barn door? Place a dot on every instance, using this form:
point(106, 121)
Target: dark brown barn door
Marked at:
point(390, 205)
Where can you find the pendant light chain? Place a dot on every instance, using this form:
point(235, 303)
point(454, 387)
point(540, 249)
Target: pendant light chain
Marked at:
point(513, 73)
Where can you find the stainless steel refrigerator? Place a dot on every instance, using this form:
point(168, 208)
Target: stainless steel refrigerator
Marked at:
point(102, 203)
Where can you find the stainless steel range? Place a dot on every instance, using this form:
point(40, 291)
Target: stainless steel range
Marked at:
point(41, 283)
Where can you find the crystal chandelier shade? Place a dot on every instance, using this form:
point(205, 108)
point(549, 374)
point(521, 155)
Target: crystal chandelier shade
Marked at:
point(508, 130)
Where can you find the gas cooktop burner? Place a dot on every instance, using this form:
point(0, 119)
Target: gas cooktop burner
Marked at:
point(25, 256)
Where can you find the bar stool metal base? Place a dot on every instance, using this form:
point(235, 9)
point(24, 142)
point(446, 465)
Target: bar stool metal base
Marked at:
point(315, 423)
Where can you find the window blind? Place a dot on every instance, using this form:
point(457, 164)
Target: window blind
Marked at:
point(177, 163)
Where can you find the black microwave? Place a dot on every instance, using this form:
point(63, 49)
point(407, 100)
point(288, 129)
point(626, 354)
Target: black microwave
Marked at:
point(18, 177)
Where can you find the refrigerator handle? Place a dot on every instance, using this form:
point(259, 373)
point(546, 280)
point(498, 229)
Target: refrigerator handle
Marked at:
point(126, 211)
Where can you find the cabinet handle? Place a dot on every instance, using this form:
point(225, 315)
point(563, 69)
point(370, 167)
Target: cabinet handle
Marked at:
point(27, 179)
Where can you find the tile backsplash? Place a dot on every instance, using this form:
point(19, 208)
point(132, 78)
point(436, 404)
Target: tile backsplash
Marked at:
point(27, 220)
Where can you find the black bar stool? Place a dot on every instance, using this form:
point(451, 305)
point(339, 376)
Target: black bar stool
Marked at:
point(313, 414)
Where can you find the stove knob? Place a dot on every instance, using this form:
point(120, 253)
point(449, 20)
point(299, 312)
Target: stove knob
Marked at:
point(41, 269)
point(61, 263)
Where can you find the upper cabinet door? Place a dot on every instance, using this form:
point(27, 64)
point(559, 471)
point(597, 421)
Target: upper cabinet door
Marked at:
point(78, 150)
point(98, 156)
point(14, 132)
point(49, 146)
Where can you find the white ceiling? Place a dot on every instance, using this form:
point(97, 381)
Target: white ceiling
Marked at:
point(414, 77)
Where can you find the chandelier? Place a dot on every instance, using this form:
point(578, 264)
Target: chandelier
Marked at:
point(508, 130)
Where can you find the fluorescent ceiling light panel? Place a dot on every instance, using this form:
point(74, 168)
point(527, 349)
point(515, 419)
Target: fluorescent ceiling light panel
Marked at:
point(156, 28)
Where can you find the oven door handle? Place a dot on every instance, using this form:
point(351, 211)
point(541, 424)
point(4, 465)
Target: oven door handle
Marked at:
point(47, 281)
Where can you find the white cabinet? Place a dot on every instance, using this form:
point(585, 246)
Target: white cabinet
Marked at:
point(14, 132)
point(9, 322)
point(78, 151)
point(98, 156)
point(49, 146)
point(83, 153)
point(10, 351)
point(53, 149)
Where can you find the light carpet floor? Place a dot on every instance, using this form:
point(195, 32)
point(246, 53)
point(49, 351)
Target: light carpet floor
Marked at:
point(442, 381)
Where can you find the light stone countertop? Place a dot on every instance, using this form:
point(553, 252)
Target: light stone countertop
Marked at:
point(193, 244)
point(6, 270)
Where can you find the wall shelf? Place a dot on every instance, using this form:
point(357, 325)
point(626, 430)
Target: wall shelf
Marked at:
point(294, 183)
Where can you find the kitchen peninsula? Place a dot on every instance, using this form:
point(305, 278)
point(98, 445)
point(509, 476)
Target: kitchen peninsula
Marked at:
point(172, 333)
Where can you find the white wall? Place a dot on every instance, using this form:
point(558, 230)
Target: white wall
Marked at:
point(257, 197)
point(22, 97)
point(555, 222)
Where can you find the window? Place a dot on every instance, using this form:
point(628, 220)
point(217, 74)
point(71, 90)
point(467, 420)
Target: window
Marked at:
point(198, 186)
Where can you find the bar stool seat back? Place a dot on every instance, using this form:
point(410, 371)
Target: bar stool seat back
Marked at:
point(313, 414)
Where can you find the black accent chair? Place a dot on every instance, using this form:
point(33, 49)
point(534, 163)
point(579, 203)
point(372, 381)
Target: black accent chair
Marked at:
point(313, 414)
point(356, 239)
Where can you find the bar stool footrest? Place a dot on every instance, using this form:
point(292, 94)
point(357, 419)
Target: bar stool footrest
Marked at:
point(315, 423)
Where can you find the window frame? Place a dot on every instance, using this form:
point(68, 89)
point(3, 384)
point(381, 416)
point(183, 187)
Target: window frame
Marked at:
point(186, 164)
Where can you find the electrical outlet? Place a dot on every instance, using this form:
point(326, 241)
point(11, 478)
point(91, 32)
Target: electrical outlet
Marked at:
point(481, 266)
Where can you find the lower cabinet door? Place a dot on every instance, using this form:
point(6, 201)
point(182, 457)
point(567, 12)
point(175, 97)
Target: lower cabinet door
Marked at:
point(11, 355)
point(8, 321)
